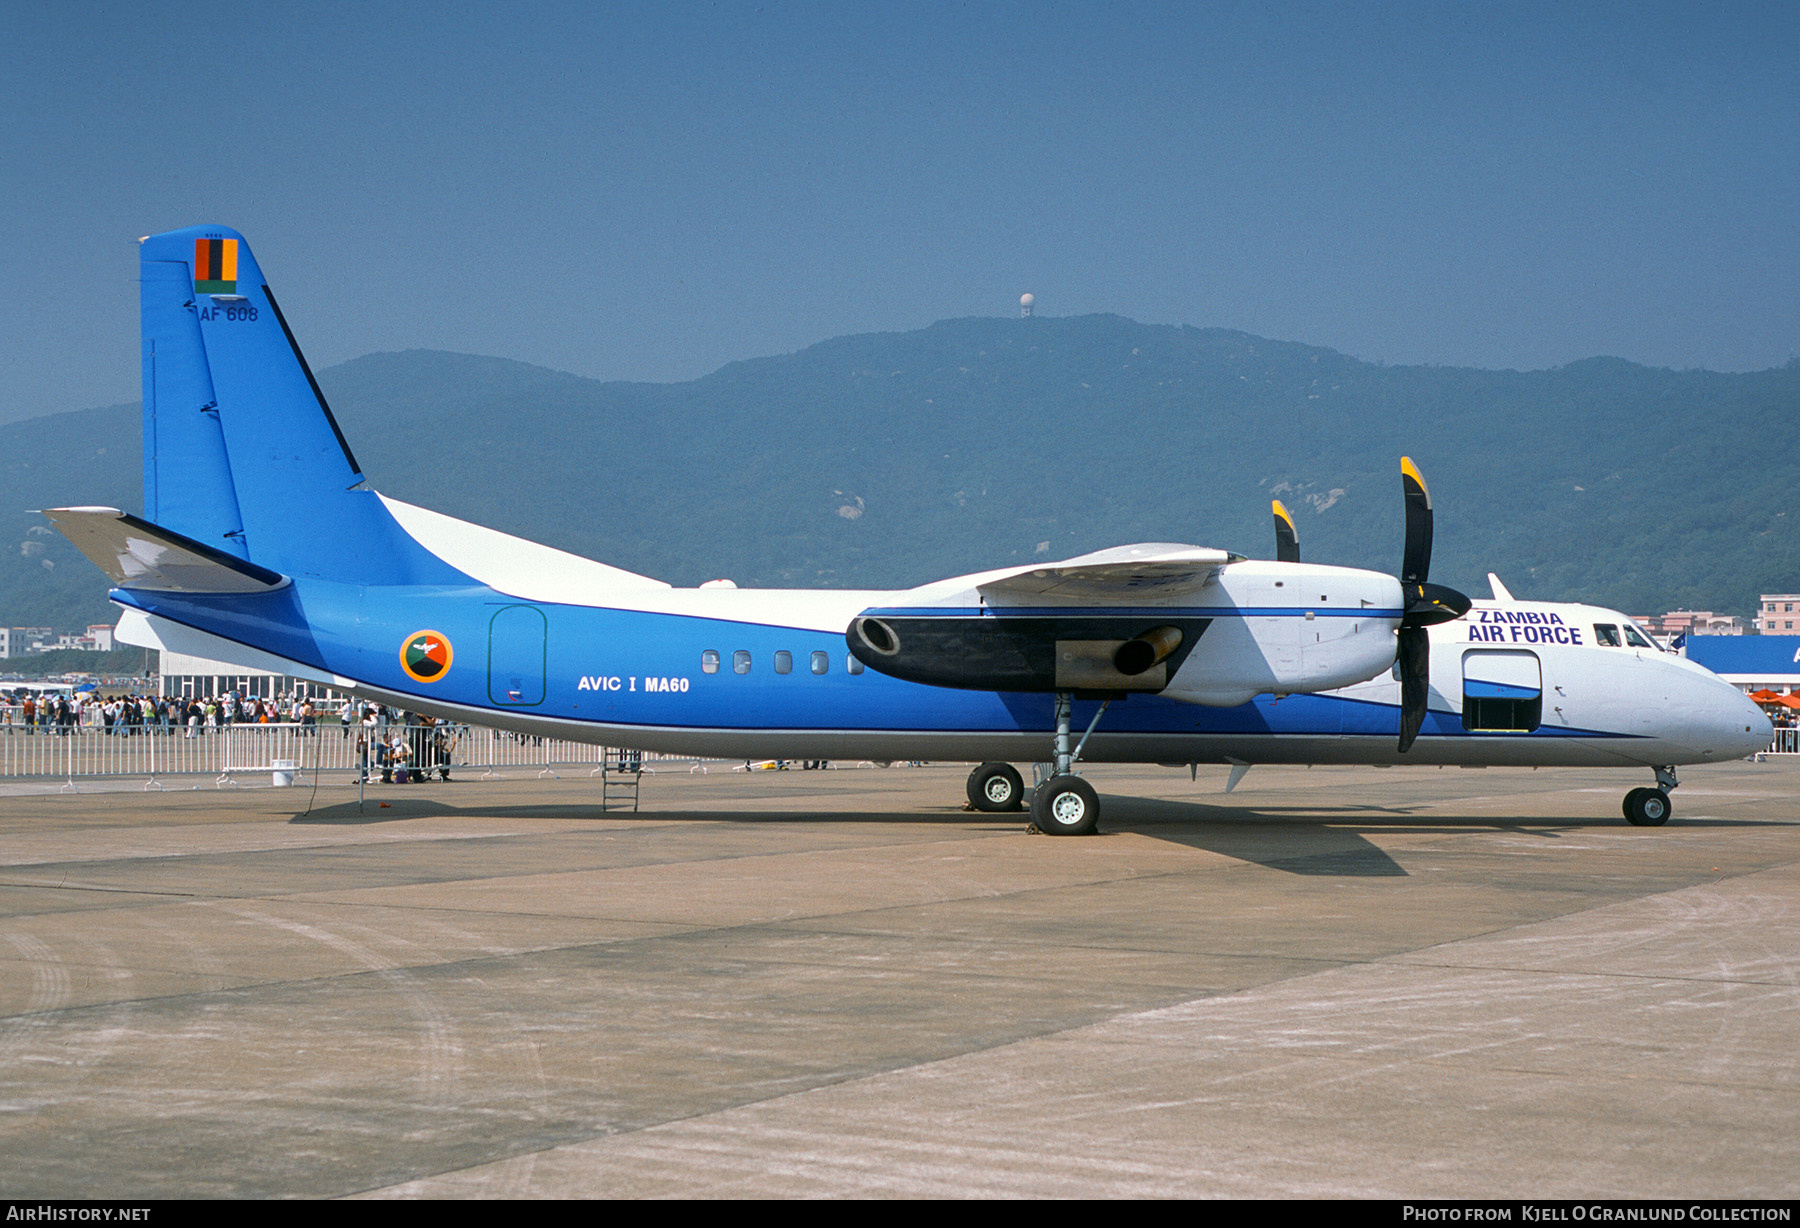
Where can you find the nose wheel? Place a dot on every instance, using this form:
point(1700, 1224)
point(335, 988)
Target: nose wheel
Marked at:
point(1647, 807)
point(1651, 807)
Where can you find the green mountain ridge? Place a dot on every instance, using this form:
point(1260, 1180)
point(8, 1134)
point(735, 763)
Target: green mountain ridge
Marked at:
point(887, 460)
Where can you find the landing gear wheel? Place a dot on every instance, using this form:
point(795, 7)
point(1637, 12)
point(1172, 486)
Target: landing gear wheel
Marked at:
point(995, 787)
point(1647, 808)
point(1065, 806)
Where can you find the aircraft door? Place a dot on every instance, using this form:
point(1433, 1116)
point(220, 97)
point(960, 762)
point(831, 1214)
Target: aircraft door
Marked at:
point(1503, 691)
point(518, 649)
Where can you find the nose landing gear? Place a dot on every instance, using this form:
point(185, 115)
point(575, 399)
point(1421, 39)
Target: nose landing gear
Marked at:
point(1650, 807)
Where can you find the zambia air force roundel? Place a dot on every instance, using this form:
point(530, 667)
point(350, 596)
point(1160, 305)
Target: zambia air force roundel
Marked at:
point(425, 656)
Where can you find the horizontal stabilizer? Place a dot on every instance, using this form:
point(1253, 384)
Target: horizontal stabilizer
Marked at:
point(137, 554)
point(1152, 569)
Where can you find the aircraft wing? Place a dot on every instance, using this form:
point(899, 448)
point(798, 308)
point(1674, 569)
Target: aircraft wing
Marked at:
point(137, 554)
point(1122, 619)
point(1121, 575)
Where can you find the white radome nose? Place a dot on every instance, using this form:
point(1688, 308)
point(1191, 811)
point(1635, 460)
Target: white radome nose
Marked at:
point(1746, 726)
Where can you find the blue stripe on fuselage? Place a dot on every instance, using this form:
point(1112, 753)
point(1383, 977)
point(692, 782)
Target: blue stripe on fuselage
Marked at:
point(632, 667)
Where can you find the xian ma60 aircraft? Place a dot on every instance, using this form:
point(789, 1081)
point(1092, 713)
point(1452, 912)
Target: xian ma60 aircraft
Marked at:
point(262, 544)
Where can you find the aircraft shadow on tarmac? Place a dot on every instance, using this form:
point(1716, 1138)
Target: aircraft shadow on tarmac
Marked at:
point(1299, 840)
point(1301, 843)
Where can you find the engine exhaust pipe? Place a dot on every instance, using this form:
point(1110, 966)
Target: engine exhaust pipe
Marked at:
point(1135, 656)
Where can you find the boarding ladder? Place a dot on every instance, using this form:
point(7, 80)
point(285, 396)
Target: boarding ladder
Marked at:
point(620, 773)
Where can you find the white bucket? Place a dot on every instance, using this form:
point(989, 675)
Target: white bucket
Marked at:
point(283, 775)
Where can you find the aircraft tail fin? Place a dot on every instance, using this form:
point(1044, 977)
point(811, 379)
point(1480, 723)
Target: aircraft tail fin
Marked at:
point(241, 451)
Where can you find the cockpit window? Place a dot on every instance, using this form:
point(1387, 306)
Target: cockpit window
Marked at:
point(1636, 638)
point(1606, 635)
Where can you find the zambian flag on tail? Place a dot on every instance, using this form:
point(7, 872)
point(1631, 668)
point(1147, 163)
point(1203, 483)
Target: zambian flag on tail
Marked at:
point(215, 266)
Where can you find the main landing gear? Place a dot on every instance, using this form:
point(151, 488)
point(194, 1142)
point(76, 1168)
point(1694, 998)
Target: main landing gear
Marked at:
point(1651, 807)
point(1065, 804)
point(996, 787)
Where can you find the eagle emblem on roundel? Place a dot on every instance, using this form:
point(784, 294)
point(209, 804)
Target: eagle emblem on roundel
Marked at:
point(426, 656)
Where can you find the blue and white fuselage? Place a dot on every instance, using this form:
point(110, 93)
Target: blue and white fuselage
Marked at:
point(262, 543)
point(544, 642)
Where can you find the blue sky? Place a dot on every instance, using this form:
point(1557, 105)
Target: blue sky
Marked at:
point(648, 191)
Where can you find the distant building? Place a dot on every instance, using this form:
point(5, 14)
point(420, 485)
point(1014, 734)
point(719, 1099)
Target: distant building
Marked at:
point(1694, 622)
point(198, 677)
point(5, 643)
point(1777, 613)
point(1750, 662)
point(30, 639)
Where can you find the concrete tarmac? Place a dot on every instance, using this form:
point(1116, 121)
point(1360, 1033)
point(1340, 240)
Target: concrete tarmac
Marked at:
point(1332, 982)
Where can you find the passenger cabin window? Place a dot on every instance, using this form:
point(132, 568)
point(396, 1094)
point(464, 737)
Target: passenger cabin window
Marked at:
point(784, 662)
point(1606, 635)
point(709, 661)
point(740, 661)
point(821, 662)
point(853, 665)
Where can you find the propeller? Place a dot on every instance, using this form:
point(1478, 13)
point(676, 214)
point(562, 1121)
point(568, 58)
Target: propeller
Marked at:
point(1425, 604)
point(1287, 538)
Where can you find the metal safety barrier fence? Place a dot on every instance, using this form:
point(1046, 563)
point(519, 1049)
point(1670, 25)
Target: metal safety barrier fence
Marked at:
point(225, 752)
point(71, 752)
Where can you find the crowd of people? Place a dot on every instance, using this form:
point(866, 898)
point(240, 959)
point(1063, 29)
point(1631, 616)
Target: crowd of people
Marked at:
point(400, 747)
point(129, 715)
